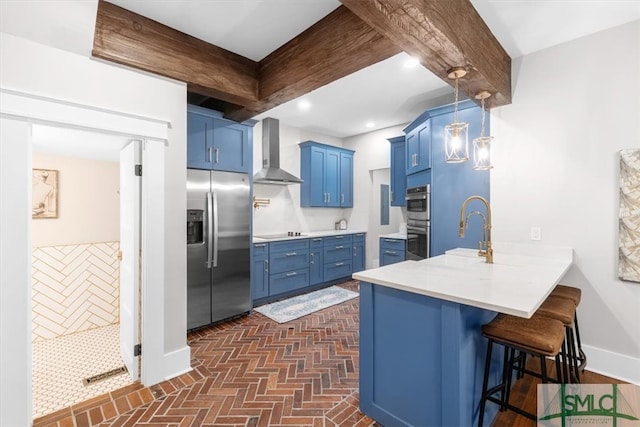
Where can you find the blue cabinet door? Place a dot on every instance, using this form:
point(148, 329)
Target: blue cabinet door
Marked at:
point(315, 266)
point(260, 271)
point(358, 257)
point(231, 148)
point(317, 172)
point(418, 148)
point(199, 141)
point(392, 251)
point(346, 180)
point(412, 152)
point(332, 178)
point(398, 174)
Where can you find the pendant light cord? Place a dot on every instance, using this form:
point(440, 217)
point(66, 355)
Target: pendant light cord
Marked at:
point(455, 103)
point(482, 128)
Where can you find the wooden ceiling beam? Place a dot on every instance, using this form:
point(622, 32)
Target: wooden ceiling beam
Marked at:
point(130, 39)
point(443, 34)
point(334, 47)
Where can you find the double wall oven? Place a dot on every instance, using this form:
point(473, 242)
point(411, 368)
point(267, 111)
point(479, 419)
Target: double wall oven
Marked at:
point(418, 226)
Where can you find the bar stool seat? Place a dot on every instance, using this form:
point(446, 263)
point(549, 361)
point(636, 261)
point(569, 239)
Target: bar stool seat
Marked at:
point(538, 336)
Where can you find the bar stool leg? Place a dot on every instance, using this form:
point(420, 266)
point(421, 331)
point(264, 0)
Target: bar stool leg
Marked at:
point(582, 357)
point(485, 382)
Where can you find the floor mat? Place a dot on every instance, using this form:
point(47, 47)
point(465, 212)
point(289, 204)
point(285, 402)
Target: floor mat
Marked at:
point(301, 305)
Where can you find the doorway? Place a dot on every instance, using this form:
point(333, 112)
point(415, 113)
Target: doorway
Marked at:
point(76, 273)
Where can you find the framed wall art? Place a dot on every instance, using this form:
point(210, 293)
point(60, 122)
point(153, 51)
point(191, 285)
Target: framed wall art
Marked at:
point(44, 193)
point(629, 217)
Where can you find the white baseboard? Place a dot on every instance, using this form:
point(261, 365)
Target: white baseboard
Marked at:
point(614, 365)
point(177, 362)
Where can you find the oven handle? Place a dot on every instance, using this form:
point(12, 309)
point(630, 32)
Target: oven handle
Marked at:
point(420, 197)
point(417, 230)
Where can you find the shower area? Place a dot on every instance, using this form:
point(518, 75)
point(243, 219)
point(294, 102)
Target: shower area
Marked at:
point(75, 269)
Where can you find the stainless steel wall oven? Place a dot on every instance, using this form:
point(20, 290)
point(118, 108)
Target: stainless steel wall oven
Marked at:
point(418, 225)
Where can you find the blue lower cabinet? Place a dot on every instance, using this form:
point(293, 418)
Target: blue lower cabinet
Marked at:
point(260, 271)
point(288, 281)
point(338, 269)
point(287, 261)
point(316, 261)
point(392, 251)
point(358, 257)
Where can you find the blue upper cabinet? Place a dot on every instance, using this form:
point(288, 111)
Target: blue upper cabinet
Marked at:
point(217, 144)
point(418, 149)
point(398, 173)
point(327, 174)
point(346, 179)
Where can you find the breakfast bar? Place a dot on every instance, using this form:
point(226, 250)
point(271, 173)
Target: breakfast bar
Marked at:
point(421, 350)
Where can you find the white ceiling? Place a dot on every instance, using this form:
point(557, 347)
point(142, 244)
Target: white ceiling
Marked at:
point(385, 93)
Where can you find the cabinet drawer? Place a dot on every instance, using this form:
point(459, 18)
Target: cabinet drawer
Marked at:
point(289, 245)
point(336, 270)
point(358, 237)
point(316, 242)
point(288, 281)
point(343, 239)
point(337, 253)
point(260, 249)
point(287, 261)
point(392, 244)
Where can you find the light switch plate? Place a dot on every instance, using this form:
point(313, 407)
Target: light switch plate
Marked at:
point(536, 233)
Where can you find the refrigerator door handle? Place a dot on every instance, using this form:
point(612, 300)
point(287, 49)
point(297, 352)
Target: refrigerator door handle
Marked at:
point(215, 229)
point(210, 231)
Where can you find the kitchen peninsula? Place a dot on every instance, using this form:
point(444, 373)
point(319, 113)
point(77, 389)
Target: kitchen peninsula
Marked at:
point(421, 349)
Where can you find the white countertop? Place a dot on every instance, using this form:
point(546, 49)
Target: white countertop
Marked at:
point(308, 235)
point(402, 236)
point(518, 281)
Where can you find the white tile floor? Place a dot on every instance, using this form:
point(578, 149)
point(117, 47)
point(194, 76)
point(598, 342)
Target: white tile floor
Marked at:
point(60, 365)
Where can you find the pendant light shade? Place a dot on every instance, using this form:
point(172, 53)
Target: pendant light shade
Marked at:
point(456, 135)
point(482, 144)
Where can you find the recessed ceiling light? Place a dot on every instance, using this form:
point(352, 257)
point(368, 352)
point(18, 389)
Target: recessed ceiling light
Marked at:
point(411, 62)
point(304, 104)
point(370, 124)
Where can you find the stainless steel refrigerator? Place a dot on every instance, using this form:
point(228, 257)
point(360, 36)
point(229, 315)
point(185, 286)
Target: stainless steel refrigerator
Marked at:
point(218, 240)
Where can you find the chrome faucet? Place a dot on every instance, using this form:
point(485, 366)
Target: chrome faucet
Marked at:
point(487, 252)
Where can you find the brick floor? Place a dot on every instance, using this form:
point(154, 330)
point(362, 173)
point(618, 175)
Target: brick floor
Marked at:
point(250, 371)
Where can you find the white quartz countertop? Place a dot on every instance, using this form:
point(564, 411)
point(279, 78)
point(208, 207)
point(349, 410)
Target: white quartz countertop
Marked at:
point(518, 281)
point(307, 235)
point(402, 236)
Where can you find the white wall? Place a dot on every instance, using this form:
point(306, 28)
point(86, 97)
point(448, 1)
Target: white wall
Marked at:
point(556, 166)
point(284, 212)
point(44, 71)
point(373, 152)
point(88, 202)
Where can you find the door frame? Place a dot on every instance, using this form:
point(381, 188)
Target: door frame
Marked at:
point(33, 109)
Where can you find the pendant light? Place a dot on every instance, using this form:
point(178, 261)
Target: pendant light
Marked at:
point(482, 144)
point(456, 134)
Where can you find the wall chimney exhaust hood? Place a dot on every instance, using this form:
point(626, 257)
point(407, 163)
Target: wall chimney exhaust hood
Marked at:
point(271, 172)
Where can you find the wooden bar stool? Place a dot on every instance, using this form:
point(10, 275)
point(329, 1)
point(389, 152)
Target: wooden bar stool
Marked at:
point(538, 336)
point(564, 310)
point(573, 294)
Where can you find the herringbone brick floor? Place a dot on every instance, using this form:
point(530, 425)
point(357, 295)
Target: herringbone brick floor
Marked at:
point(256, 372)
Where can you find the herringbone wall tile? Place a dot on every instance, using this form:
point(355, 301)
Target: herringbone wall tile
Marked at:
point(75, 288)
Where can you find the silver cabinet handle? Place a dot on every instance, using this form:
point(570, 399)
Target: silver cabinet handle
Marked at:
point(339, 247)
point(390, 252)
point(328, 197)
point(354, 251)
point(260, 245)
point(209, 156)
point(339, 263)
point(291, 254)
point(342, 198)
point(317, 239)
point(217, 155)
point(390, 240)
point(339, 237)
point(266, 265)
point(325, 197)
point(312, 258)
point(293, 273)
